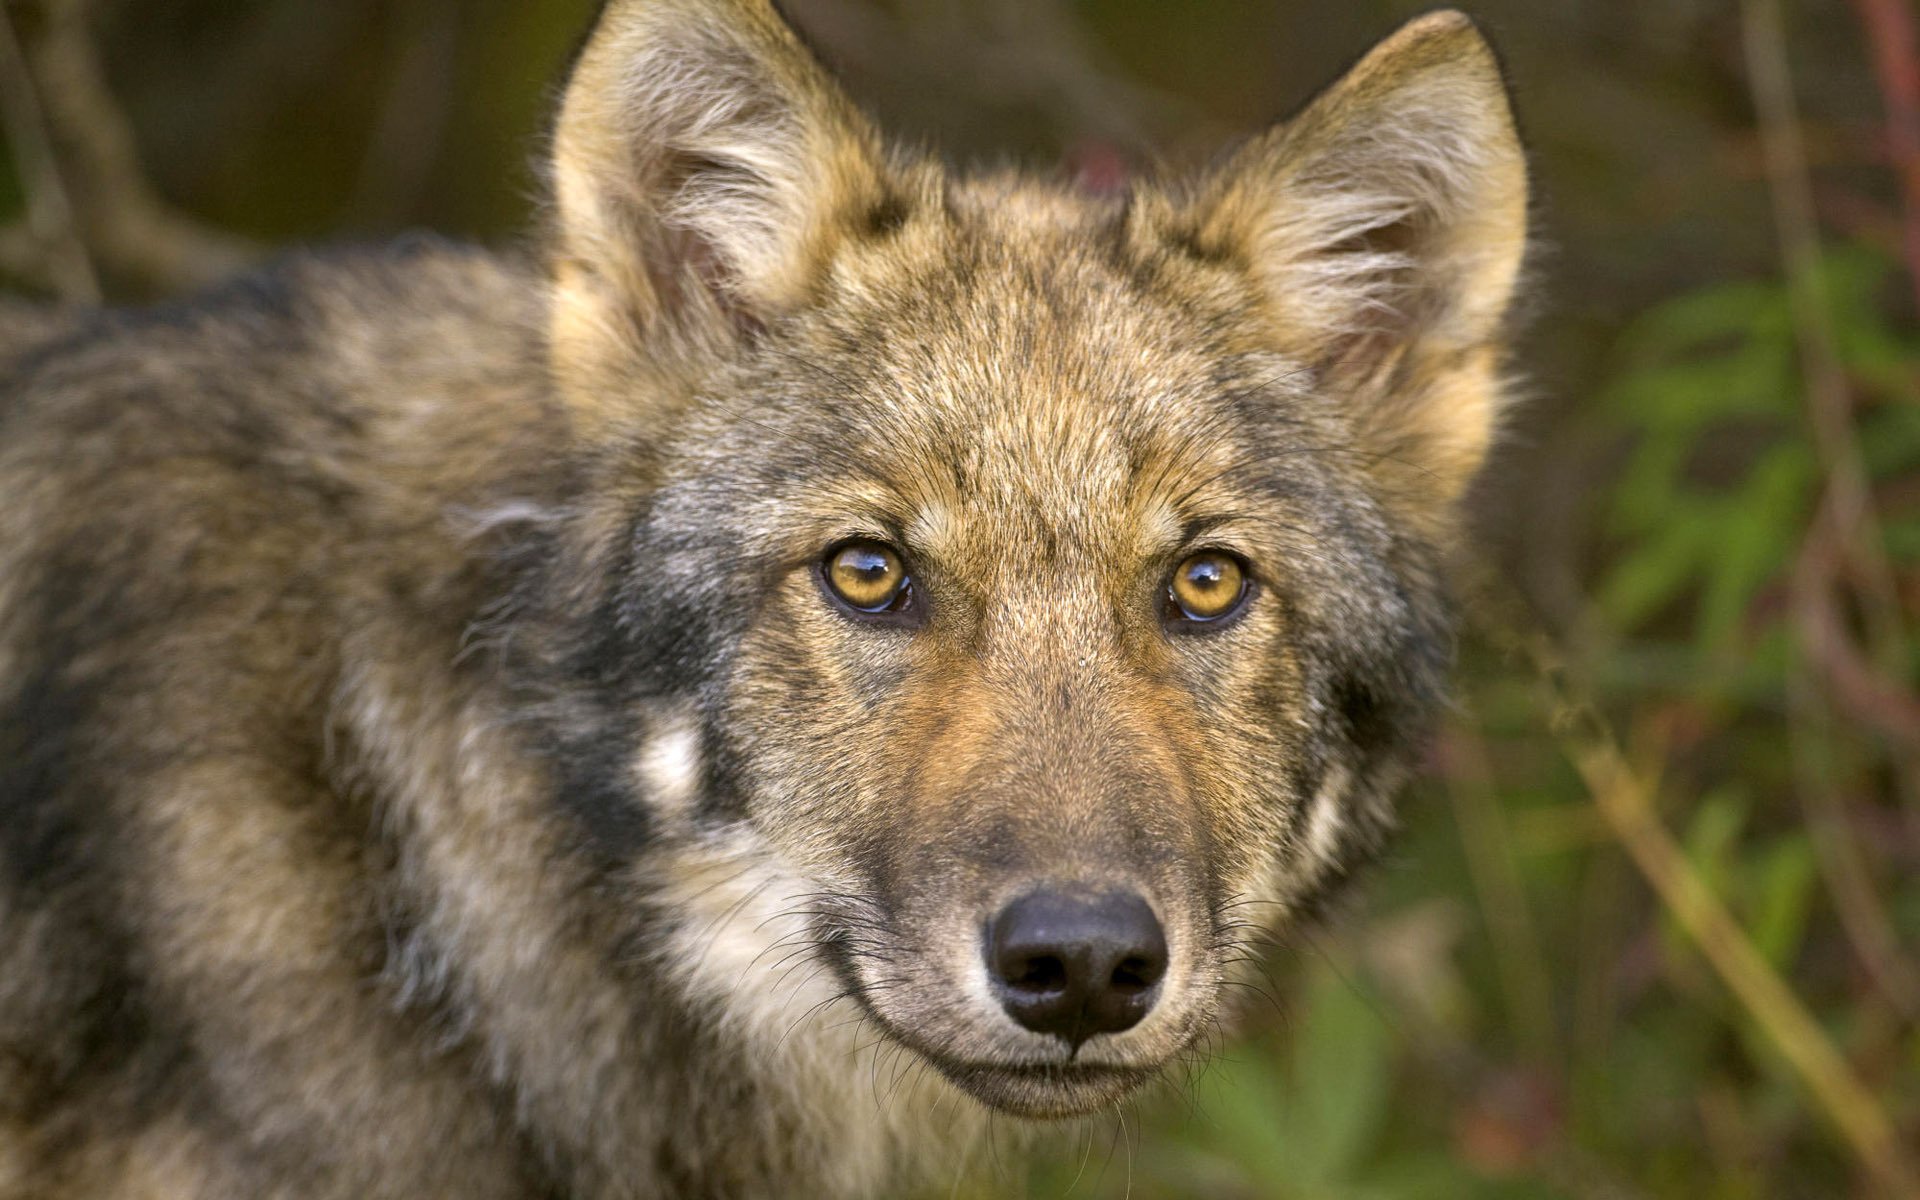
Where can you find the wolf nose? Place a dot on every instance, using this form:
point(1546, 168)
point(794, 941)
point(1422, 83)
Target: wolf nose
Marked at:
point(1076, 965)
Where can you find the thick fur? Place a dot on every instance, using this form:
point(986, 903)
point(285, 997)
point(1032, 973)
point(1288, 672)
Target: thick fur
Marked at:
point(429, 764)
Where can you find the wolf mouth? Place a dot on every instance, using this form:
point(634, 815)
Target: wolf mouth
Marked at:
point(1052, 1072)
point(1038, 1088)
point(1046, 1090)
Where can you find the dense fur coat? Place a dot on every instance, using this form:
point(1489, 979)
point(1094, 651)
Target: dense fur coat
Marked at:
point(433, 760)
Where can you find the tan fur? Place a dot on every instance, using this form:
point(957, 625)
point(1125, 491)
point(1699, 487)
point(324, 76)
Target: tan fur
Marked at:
point(431, 764)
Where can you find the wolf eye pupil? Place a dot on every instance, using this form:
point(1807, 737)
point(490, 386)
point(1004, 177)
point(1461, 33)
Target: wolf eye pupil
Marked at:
point(1207, 575)
point(1207, 586)
point(865, 568)
point(866, 576)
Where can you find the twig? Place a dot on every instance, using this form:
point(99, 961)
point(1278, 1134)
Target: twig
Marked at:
point(127, 228)
point(1843, 864)
point(1829, 406)
point(1847, 527)
point(1866, 696)
point(1889, 27)
point(408, 133)
point(52, 245)
point(1015, 51)
point(1503, 897)
point(1625, 799)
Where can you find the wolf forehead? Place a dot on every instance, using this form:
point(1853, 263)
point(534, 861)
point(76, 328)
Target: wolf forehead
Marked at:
point(1025, 348)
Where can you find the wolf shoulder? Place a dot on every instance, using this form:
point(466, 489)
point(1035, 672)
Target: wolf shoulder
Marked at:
point(364, 392)
point(233, 487)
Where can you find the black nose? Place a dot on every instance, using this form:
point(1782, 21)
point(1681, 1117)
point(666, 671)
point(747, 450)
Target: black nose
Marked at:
point(1076, 965)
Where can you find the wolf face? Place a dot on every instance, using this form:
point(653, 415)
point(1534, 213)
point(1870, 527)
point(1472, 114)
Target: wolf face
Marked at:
point(1004, 603)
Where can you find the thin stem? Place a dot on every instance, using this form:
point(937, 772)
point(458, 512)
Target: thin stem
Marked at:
point(1626, 799)
point(58, 248)
point(1502, 895)
point(1829, 405)
point(128, 230)
point(1889, 27)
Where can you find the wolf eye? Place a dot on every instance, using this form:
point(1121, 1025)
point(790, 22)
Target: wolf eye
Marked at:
point(867, 577)
point(1207, 587)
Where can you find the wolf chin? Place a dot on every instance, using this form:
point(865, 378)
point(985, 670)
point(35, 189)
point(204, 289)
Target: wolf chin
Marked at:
point(825, 651)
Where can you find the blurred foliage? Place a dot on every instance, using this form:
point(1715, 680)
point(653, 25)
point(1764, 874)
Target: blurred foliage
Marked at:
point(1505, 1009)
point(1552, 1033)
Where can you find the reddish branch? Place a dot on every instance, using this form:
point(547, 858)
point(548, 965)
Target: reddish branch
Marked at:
point(1860, 691)
point(1889, 28)
point(86, 175)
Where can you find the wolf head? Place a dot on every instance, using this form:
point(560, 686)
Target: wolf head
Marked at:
point(1022, 600)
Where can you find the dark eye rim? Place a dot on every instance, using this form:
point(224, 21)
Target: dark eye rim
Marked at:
point(903, 611)
point(1174, 616)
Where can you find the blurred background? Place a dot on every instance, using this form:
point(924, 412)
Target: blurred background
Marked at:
point(1654, 928)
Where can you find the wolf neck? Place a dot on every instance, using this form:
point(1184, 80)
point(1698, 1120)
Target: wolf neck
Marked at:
point(743, 950)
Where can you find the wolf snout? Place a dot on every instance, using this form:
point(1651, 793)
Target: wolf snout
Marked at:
point(1076, 965)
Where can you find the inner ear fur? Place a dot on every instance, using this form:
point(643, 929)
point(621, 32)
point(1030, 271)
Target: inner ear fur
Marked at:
point(1384, 228)
point(703, 164)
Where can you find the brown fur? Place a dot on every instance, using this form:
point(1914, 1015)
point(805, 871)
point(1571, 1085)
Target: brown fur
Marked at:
point(430, 764)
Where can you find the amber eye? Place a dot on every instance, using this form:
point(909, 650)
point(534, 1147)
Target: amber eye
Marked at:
point(1206, 587)
point(866, 576)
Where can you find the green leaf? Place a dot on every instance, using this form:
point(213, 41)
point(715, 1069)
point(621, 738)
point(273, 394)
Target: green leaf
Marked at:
point(1782, 890)
point(1890, 439)
point(1753, 540)
point(1648, 488)
point(1680, 398)
point(1903, 540)
point(1247, 1108)
point(1654, 573)
point(1685, 323)
point(1301, 1123)
point(1341, 1075)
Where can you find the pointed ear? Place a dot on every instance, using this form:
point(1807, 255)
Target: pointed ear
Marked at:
point(702, 161)
point(1385, 227)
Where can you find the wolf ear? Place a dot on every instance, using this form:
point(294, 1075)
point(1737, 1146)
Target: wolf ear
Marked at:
point(1385, 226)
point(700, 162)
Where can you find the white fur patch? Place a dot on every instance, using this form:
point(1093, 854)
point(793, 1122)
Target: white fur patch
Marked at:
point(1327, 819)
point(475, 522)
point(669, 765)
point(743, 952)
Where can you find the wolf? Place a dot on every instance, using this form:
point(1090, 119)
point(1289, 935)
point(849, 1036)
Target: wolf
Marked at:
point(818, 650)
